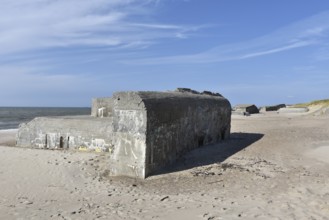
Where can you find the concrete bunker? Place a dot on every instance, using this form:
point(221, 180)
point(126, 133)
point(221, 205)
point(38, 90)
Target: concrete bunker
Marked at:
point(142, 131)
point(245, 109)
point(272, 108)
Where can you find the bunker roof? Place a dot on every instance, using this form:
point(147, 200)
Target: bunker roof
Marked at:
point(244, 105)
point(148, 95)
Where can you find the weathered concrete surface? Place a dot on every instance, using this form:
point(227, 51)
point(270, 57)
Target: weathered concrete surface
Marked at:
point(102, 107)
point(71, 132)
point(180, 122)
point(142, 131)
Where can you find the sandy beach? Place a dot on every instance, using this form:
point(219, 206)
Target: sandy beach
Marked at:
point(273, 167)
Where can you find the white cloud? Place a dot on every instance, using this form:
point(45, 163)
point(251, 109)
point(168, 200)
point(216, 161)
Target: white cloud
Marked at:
point(276, 50)
point(38, 24)
point(156, 26)
point(310, 31)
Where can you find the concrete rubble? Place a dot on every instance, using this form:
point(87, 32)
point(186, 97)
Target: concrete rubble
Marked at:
point(141, 131)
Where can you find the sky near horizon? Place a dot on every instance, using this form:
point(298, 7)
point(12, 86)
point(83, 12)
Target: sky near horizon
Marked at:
point(65, 52)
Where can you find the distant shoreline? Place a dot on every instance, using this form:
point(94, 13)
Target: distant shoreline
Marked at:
point(12, 117)
point(42, 107)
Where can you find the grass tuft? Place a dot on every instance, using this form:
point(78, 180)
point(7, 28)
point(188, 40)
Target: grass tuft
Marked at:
point(324, 103)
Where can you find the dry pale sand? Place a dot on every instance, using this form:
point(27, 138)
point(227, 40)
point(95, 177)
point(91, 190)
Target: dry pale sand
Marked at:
point(273, 167)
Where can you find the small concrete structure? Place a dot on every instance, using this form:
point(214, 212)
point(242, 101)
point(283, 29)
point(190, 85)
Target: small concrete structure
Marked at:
point(142, 131)
point(245, 109)
point(293, 110)
point(272, 108)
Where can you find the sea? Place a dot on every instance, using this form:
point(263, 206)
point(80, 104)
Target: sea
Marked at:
point(11, 117)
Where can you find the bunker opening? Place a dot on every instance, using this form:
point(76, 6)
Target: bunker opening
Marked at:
point(223, 134)
point(46, 141)
point(200, 141)
point(61, 142)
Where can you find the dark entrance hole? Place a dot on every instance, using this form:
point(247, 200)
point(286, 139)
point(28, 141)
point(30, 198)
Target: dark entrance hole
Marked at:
point(46, 141)
point(223, 134)
point(61, 142)
point(200, 141)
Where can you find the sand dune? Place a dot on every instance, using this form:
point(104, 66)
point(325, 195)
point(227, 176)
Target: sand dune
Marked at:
point(273, 167)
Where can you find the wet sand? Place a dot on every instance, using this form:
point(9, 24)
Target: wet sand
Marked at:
point(273, 167)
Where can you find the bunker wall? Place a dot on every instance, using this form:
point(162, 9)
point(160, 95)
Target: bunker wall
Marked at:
point(178, 125)
point(102, 107)
point(66, 133)
point(129, 127)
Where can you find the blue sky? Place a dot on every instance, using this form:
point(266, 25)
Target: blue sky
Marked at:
point(65, 52)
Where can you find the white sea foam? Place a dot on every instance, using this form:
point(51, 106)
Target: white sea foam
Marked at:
point(8, 130)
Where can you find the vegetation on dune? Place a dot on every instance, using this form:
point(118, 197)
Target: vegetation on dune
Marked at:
point(324, 102)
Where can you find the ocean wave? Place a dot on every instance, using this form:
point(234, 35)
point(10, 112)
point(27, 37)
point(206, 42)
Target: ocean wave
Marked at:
point(8, 130)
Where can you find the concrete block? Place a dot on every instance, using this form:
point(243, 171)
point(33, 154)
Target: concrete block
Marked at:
point(142, 131)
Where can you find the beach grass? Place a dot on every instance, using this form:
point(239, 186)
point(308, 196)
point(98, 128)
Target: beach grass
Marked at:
point(323, 102)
